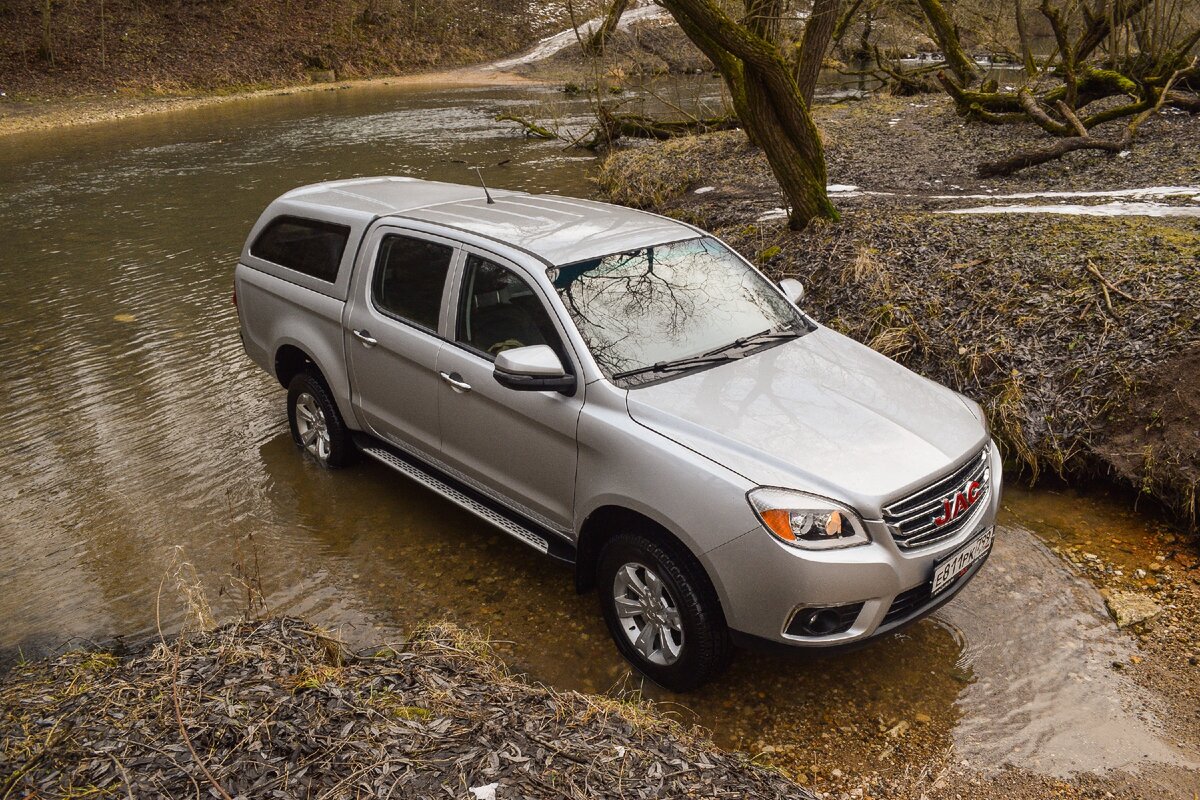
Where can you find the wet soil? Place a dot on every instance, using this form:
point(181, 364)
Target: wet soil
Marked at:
point(50, 113)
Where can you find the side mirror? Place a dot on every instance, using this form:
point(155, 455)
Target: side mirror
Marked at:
point(535, 368)
point(793, 289)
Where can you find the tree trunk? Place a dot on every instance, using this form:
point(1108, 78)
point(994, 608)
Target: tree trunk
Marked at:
point(1031, 69)
point(817, 34)
point(47, 48)
point(947, 35)
point(766, 98)
point(594, 44)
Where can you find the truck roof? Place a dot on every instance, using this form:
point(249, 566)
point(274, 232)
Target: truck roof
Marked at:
point(559, 230)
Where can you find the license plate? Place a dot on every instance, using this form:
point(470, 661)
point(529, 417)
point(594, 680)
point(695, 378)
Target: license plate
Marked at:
point(962, 559)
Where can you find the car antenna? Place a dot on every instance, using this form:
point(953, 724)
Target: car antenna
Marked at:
point(486, 193)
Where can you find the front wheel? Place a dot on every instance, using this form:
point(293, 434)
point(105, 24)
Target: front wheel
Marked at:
point(662, 612)
point(317, 426)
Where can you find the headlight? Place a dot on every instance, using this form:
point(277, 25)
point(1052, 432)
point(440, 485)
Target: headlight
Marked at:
point(806, 520)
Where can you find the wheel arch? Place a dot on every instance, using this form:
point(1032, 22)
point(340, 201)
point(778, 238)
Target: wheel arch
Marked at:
point(606, 521)
point(291, 360)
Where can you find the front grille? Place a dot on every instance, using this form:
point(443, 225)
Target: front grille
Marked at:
point(911, 520)
point(907, 603)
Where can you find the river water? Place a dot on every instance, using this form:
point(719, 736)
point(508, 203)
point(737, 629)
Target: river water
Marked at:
point(143, 449)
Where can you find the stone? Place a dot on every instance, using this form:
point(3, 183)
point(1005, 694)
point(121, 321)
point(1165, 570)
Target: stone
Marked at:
point(1131, 608)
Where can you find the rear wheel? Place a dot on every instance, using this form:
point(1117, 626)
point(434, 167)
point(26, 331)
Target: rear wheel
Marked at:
point(317, 426)
point(662, 612)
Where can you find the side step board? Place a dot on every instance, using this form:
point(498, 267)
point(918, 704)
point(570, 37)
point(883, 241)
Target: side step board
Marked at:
point(530, 533)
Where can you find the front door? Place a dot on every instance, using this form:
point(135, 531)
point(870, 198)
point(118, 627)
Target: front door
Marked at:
point(392, 336)
point(519, 445)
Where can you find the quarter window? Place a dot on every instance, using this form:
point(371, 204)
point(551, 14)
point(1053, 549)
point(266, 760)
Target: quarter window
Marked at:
point(499, 311)
point(306, 245)
point(410, 276)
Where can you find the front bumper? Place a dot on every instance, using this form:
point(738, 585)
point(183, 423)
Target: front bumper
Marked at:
point(877, 587)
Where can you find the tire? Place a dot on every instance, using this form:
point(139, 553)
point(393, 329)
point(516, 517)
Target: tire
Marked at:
point(681, 641)
point(317, 426)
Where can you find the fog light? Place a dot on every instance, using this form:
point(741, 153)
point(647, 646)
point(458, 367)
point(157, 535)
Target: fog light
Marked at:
point(824, 621)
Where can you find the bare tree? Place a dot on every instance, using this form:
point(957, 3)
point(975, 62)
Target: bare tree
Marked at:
point(595, 43)
point(815, 43)
point(766, 96)
point(1059, 94)
point(946, 33)
point(46, 50)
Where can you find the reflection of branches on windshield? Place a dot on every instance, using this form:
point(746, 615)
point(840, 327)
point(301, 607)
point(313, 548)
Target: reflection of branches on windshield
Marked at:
point(624, 293)
point(667, 302)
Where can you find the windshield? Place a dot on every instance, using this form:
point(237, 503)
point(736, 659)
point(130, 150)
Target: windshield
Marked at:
point(669, 302)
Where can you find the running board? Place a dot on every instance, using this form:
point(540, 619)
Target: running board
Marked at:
point(544, 542)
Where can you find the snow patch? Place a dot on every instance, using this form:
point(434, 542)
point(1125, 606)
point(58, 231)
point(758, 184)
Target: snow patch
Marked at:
point(704, 189)
point(1117, 209)
point(1150, 192)
point(564, 39)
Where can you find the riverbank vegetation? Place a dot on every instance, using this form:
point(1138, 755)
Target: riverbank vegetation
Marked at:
point(277, 708)
point(1077, 332)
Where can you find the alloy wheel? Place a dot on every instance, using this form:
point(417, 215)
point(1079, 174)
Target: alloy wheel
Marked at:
point(311, 426)
point(648, 614)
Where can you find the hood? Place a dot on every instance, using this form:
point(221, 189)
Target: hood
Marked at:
point(822, 414)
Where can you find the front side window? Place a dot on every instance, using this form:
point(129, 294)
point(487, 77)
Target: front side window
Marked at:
point(410, 277)
point(309, 246)
point(671, 302)
point(499, 311)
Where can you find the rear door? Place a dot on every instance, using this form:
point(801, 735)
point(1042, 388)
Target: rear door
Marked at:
point(517, 445)
point(393, 334)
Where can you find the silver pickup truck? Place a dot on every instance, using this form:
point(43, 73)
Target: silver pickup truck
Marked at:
point(625, 393)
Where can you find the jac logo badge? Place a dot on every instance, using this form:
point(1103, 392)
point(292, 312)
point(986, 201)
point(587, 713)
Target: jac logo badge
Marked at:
point(957, 503)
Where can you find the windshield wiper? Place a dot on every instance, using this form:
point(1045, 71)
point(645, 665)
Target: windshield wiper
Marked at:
point(717, 356)
point(768, 335)
point(677, 365)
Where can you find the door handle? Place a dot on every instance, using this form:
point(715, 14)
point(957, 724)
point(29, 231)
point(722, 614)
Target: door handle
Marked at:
point(455, 380)
point(365, 337)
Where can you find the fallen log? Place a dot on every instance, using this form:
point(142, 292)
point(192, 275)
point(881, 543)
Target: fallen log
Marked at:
point(1031, 158)
point(532, 129)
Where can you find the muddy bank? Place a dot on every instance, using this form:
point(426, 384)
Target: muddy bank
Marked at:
point(276, 708)
point(38, 115)
point(1076, 332)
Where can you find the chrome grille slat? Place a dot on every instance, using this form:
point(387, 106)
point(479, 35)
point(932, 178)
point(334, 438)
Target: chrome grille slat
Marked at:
point(936, 503)
point(911, 519)
point(936, 489)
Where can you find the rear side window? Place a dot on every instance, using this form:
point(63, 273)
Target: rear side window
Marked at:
point(410, 277)
point(306, 245)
